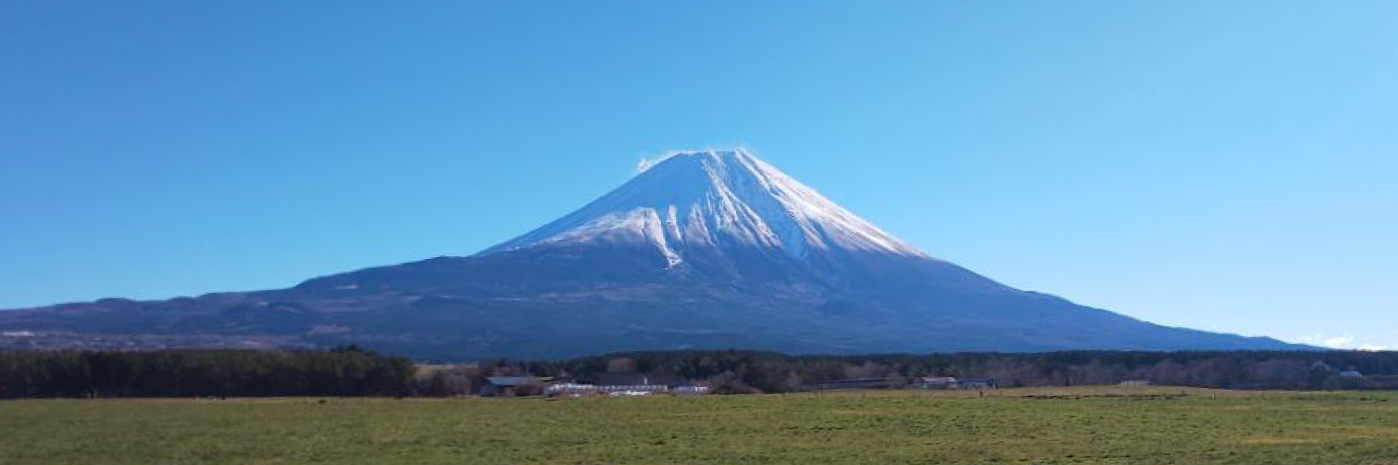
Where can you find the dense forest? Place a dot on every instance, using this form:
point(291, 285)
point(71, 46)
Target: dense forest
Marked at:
point(352, 371)
point(346, 371)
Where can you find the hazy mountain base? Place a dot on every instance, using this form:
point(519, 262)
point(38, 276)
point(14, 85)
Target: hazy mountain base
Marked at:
point(1084, 425)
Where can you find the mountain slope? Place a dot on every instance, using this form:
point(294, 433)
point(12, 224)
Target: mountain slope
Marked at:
point(703, 250)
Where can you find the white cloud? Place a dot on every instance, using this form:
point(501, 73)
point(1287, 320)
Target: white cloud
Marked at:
point(1341, 341)
point(647, 162)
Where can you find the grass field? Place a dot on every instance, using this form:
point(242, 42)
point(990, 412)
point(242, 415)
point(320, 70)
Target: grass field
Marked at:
point(1105, 425)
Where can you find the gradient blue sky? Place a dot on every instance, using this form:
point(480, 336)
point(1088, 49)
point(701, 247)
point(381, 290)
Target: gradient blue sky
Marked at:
point(1224, 165)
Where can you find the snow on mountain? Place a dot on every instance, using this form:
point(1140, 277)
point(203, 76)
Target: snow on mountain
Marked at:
point(714, 199)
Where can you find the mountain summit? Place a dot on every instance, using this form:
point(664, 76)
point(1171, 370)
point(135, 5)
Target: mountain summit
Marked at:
point(708, 249)
point(715, 199)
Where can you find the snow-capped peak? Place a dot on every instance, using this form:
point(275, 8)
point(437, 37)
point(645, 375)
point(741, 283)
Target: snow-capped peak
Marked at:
point(714, 198)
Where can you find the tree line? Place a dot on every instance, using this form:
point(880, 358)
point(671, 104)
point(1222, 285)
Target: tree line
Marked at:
point(344, 371)
point(745, 371)
point(353, 371)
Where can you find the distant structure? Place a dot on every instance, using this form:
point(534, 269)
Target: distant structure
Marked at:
point(578, 389)
point(510, 385)
point(1136, 382)
point(950, 382)
point(933, 382)
point(975, 384)
point(625, 384)
point(859, 383)
point(690, 390)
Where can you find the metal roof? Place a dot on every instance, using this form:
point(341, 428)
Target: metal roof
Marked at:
point(511, 380)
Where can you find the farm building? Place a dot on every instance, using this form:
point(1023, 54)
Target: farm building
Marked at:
point(933, 382)
point(689, 390)
point(511, 385)
point(626, 384)
point(974, 384)
point(860, 383)
point(578, 389)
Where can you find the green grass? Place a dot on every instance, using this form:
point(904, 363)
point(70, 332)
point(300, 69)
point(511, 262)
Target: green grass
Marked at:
point(1029, 426)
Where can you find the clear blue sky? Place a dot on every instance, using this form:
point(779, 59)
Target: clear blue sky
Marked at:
point(1224, 165)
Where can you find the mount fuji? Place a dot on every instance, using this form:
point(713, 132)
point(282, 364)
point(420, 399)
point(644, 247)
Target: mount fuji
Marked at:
point(706, 249)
